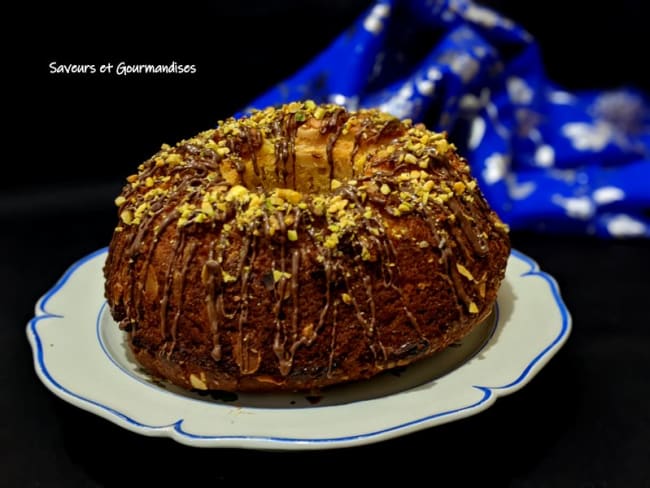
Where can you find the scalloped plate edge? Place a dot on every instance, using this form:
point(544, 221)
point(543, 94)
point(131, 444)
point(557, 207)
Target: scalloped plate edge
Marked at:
point(175, 429)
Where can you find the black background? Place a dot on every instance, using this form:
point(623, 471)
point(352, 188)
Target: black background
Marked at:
point(87, 128)
point(583, 421)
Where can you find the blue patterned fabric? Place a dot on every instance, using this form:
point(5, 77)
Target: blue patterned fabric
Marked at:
point(546, 159)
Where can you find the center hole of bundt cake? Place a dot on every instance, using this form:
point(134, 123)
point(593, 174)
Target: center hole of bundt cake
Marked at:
point(307, 163)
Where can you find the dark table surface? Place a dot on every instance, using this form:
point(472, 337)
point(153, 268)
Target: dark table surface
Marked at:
point(583, 421)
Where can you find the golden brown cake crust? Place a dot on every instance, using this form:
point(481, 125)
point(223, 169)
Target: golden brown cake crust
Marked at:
point(301, 247)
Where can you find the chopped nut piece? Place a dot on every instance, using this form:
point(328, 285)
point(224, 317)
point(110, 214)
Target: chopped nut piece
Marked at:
point(337, 205)
point(405, 207)
point(238, 193)
point(174, 159)
point(464, 271)
point(410, 158)
point(308, 331)
point(126, 216)
point(206, 207)
point(331, 241)
point(227, 277)
point(278, 275)
point(365, 254)
point(289, 195)
point(198, 383)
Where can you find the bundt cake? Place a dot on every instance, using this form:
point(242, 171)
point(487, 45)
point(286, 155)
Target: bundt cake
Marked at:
point(300, 247)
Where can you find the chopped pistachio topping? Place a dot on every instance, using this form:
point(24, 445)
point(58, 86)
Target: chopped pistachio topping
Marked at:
point(198, 382)
point(222, 177)
point(278, 275)
point(464, 271)
point(227, 277)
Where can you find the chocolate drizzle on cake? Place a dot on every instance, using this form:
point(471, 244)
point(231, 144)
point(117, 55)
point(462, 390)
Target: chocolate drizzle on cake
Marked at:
point(232, 202)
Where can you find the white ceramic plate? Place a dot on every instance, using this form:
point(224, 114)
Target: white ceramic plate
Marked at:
point(81, 356)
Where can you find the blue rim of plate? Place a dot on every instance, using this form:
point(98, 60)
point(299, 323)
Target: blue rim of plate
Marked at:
point(114, 415)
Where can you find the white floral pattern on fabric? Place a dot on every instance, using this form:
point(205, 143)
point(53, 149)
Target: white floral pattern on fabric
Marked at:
point(589, 137)
point(374, 22)
point(496, 168)
point(625, 226)
point(546, 158)
point(519, 91)
point(581, 208)
point(477, 132)
point(608, 194)
point(519, 191)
